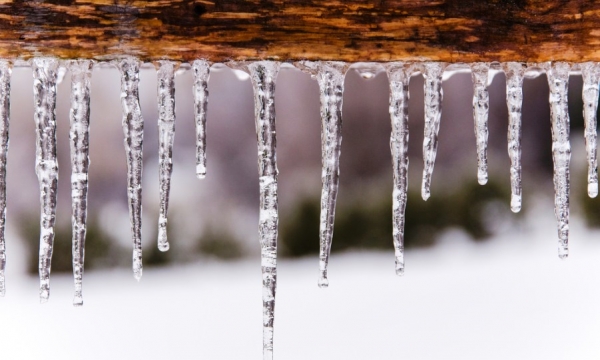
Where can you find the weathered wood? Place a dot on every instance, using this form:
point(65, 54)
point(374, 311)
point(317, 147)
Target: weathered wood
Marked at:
point(219, 30)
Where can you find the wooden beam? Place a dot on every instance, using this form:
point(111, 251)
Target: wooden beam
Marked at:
point(383, 30)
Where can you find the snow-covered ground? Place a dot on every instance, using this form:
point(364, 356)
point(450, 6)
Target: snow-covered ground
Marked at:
point(509, 298)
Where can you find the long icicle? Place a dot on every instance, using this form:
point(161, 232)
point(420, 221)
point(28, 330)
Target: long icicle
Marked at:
point(399, 76)
point(514, 72)
point(166, 134)
point(433, 94)
point(481, 106)
point(558, 81)
point(5, 73)
point(46, 166)
point(263, 75)
point(201, 75)
point(590, 72)
point(133, 129)
point(81, 73)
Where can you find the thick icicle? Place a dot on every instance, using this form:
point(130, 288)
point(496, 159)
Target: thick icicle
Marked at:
point(432, 73)
point(590, 72)
point(133, 128)
point(5, 72)
point(166, 133)
point(399, 76)
point(558, 81)
point(201, 75)
point(481, 105)
point(44, 96)
point(81, 73)
point(514, 101)
point(263, 75)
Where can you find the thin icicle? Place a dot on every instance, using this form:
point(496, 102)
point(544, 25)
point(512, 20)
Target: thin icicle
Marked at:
point(5, 73)
point(432, 73)
point(263, 75)
point(399, 76)
point(558, 81)
point(201, 76)
point(166, 133)
point(481, 105)
point(46, 167)
point(81, 73)
point(590, 72)
point(133, 129)
point(514, 101)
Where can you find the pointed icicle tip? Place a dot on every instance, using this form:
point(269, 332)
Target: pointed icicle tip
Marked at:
point(78, 301)
point(323, 282)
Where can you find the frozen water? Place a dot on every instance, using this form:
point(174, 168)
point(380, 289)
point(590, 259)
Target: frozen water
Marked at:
point(481, 105)
point(133, 129)
point(432, 73)
point(166, 134)
point(558, 82)
point(201, 75)
point(79, 136)
point(590, 72)
point(5, 73)
point(515, 73)
point(46, 166)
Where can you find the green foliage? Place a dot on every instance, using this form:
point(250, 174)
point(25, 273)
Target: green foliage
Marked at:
point(219, 244)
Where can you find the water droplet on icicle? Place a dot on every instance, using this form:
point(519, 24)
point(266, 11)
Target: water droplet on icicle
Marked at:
point(46, 166)
point(263, 75)
point(433, 94)
point(133, 129)
point(590, 72)
point(5, 74)
point(166, 134)
point(515, 73)
point(79, 136)
point(201, 75)
point(481, 105)
point(558, 82)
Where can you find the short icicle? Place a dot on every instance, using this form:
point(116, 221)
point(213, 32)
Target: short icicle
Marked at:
point(5, 74)
point(166, 133)
point(133, 128)
point(44, 96)
point(481, 105)
point(79, 136)
point(399, 77)
point(201, 75)
point(514, 101)
point(263, 75)
point(433, 94)
point(558, 81)
point(590, 72)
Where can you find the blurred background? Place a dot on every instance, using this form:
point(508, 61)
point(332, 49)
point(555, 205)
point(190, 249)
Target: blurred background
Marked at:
point(481, 282)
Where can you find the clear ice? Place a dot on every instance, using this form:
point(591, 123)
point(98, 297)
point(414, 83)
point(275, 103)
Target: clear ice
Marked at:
point(79, 136)
point(433, 94)
point(133, 129)
point(5, 73)
point(590, 72)
point(263, 75)
point(201, 75)
point(515, 73)
point(558, 82)
point(399, 77)
point(481, 105)
point(46, 166)
point(166, 133)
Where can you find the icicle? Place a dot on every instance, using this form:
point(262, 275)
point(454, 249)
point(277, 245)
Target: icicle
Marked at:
point(166, 133)
point(263, 75)
point(558, 81)
point(133, 128)
point(81, 73)
point(5, 72)
point(432, 73)
point(591, 78)
point(201, 76)
point(514, 101)
point(481, 105)
point(44, 95)
point(399, 76)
